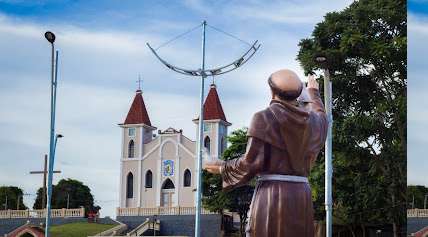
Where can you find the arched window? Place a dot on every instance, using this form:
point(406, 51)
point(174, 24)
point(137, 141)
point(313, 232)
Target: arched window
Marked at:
point(131, 149)
point(149, 179)
point(222, 146)
point(168, 184)
point(187, 178)
point(130, 186)
point(207, 144)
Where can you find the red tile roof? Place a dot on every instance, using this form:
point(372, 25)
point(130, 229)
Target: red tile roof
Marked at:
point(212, 106)
point(137, 113)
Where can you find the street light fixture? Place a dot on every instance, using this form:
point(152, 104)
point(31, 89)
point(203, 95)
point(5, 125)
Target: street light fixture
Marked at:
point(323, 63)
point(56, 140)
point(53, 139)
point(50, 36)
point(321, 59)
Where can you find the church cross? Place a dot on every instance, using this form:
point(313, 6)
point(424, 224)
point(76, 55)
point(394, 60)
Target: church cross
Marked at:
point(44, 172)
point(139, 82)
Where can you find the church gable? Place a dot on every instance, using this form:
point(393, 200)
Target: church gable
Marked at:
point(150, 147)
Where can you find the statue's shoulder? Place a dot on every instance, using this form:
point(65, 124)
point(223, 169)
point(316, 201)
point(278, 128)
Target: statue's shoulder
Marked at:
point(261, 122)
point(262, 118)
point(265, 127)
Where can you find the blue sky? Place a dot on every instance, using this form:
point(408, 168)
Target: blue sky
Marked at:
point(102, 51)
point(417, 102)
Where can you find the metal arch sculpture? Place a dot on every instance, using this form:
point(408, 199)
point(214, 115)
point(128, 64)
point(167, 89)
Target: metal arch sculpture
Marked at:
point(212, 72)
point(203, 73)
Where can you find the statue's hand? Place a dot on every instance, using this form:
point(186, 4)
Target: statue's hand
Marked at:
point(213, 166)
point(312, 83)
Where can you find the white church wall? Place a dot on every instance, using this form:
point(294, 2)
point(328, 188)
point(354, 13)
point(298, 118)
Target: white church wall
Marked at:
point(189, 144)
point(186, 198)
point(130, 166)
point(148, 195)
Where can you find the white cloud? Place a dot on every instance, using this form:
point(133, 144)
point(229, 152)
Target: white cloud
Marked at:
point(286, 12)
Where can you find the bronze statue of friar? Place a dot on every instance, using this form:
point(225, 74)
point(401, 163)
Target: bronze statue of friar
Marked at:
point(283, 143)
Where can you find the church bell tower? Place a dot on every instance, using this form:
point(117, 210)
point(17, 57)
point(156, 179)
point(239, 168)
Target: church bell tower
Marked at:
point(137, 130)
point(215, 124)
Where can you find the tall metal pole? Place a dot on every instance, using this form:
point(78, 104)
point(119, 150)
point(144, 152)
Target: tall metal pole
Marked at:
point(44, 182)
point(52, 141)
point(328, 154)
point(200, 139)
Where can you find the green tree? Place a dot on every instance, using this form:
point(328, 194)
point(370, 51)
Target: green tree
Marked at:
point(366, 50)
point(9, 198)
point(416, 196)
point(72, 191)
point(237, 200)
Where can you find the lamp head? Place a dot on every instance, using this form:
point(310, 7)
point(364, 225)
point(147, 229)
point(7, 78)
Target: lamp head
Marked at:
point(320, 59)
point(50, 36)
point(59, 136)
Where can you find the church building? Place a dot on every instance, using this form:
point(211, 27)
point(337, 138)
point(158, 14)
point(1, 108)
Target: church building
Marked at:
point(158, 169)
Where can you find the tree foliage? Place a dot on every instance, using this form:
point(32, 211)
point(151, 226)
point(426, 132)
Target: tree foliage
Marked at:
point(417, 196)
point(77, 194)
point(9, 196)
point(366, 50)
point(237, 200)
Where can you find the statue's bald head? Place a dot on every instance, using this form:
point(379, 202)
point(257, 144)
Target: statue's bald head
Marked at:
point(285, 84)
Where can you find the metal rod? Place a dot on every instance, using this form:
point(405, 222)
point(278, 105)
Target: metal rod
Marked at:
point(51, 141)
point(68, 200)
point(328, 154)
point(200, 134)
point(44, 182)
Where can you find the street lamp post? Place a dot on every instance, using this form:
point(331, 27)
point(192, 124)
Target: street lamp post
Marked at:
point(53, 140)
point(328, 147)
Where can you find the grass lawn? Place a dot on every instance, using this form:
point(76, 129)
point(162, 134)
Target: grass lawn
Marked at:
point(79, 229)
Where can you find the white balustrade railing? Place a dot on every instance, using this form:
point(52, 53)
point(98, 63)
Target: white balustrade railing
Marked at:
point(417, 213)
point(78, 212)
point(141, 211)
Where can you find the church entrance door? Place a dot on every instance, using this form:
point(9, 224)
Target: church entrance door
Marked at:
point(168, 190)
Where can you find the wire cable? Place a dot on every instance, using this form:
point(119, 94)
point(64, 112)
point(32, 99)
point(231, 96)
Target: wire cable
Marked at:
point(228, 34)
point(178, 36)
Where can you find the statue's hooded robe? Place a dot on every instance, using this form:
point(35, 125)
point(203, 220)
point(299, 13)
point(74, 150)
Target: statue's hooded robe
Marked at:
point(283, 139)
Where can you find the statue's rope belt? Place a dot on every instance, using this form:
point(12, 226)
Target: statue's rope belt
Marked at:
point(285, 178)
point(272, 177)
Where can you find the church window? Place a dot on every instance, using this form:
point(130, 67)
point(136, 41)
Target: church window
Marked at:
point(149, 179)
point(222, 145)
point(207, 144)
point(207, 127)
point(187, 178)
point(131, 132)
point(131, 149)
point(130, 186)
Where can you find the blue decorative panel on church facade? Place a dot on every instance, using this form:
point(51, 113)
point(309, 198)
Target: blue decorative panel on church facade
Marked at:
point(168, 168)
